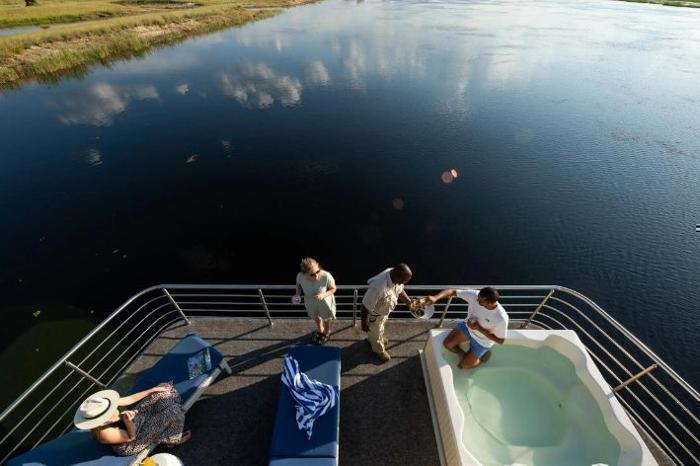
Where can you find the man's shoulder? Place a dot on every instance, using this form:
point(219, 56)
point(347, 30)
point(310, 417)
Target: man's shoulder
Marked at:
point(382, 279)
point(467, 294)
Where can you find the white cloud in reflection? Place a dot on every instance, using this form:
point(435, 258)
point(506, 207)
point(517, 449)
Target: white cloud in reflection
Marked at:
point(142, 92)
point(228, 147)
point(317, 73)
point(258, 86)
point(93, 158)
point(355, 63)
point(101, 103)
point(182, 89)
point(278, 40)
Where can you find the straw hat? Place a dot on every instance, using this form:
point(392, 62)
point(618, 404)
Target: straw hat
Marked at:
point(96, 410)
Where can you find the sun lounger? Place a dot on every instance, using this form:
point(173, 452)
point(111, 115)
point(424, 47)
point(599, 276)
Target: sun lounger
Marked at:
point(79, 448)
point(290, 446)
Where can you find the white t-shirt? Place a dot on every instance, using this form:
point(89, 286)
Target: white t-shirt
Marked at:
point(495, 321)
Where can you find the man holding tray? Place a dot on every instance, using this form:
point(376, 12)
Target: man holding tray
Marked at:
point(383, 293)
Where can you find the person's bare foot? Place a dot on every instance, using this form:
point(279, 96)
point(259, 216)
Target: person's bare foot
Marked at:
point(186, 435)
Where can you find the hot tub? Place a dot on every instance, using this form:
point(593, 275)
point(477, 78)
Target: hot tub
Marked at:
point(540, 400)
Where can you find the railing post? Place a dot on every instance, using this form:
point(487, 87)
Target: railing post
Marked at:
point(354, 308)
point(537, 309)
point(635, 377)
point(264, 303)
point(444, 311)
point(75, 368)
point(176, 306)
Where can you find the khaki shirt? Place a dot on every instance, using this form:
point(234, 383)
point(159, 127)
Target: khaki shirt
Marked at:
point(382, 295)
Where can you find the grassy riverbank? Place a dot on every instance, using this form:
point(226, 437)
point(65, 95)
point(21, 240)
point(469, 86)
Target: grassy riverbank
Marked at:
point(103, 31)
point(681, 3)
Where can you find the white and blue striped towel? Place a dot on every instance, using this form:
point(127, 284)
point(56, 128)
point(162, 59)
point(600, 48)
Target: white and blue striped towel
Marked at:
point(312, 398)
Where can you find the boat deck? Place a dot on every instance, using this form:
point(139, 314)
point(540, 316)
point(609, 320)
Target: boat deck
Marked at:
point(384, 412)
point(384, 403)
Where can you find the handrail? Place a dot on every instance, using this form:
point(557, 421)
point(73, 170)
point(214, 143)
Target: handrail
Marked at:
point(633, 337)
point(666, 410)
point(68, 354)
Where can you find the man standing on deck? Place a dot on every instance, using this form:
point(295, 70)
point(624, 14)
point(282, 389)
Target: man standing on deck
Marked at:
point(383, 293)
point(486, 324)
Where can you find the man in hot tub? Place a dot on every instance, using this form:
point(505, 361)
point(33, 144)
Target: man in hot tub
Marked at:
point(486, 324)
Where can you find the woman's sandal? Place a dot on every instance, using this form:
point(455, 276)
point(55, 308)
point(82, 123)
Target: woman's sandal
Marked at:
point(316, 338)
point(323, 338)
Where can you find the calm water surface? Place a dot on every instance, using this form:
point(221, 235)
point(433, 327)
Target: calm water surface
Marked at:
point(572, 125)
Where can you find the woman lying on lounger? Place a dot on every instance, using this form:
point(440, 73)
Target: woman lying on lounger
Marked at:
point(157, 418)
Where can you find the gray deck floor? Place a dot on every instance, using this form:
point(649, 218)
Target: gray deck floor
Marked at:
point(384, 412)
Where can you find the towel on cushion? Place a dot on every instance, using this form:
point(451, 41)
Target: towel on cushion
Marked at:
point(312, 398)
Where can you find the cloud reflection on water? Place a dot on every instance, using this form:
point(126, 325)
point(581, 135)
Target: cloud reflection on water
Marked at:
point(256, 85)
point(100, 103)
point(317, 73)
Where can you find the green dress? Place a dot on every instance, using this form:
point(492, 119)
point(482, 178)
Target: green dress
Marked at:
point(324, 308)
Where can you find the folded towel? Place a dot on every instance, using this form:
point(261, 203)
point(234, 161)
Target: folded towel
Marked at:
point(312, 398)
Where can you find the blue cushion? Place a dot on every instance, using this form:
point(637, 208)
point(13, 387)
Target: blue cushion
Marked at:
point(304, 462)
point(77, 448)
point(322, 364)
point(173, 366)
point(319, 362)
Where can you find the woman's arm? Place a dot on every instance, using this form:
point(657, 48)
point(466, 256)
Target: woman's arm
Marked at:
point(330, 288)
point(115, 436)
point(327, 293)
point(128, 418)
point(131, 399)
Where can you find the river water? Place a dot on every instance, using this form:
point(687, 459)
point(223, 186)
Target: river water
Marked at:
point(572, 126)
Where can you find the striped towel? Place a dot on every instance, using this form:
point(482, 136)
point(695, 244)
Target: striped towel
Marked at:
point(312, 398)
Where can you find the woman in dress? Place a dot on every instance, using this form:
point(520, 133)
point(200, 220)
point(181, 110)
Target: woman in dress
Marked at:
point(157, 417)
point(318, 287)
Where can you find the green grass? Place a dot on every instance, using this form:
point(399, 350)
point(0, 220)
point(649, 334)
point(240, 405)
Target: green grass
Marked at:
point(679, 3)
point(134, 28)
point(55, 11)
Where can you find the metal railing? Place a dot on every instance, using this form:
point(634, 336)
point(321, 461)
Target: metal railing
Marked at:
point(662, 404)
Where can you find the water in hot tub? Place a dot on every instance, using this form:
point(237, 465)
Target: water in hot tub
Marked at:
point(528, 406)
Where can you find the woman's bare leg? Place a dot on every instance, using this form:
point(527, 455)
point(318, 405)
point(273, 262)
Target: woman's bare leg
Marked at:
point(319, 325)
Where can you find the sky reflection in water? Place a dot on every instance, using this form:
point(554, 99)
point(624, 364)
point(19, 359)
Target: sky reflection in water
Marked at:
point(331, 129)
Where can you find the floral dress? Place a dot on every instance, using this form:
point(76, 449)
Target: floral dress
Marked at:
point(160, 419)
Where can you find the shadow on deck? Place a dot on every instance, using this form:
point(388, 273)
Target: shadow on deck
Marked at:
point(384, 413)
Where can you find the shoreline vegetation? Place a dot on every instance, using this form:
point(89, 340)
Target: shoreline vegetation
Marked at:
point(679, 3)
point(79, 33)
point(101, 32)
